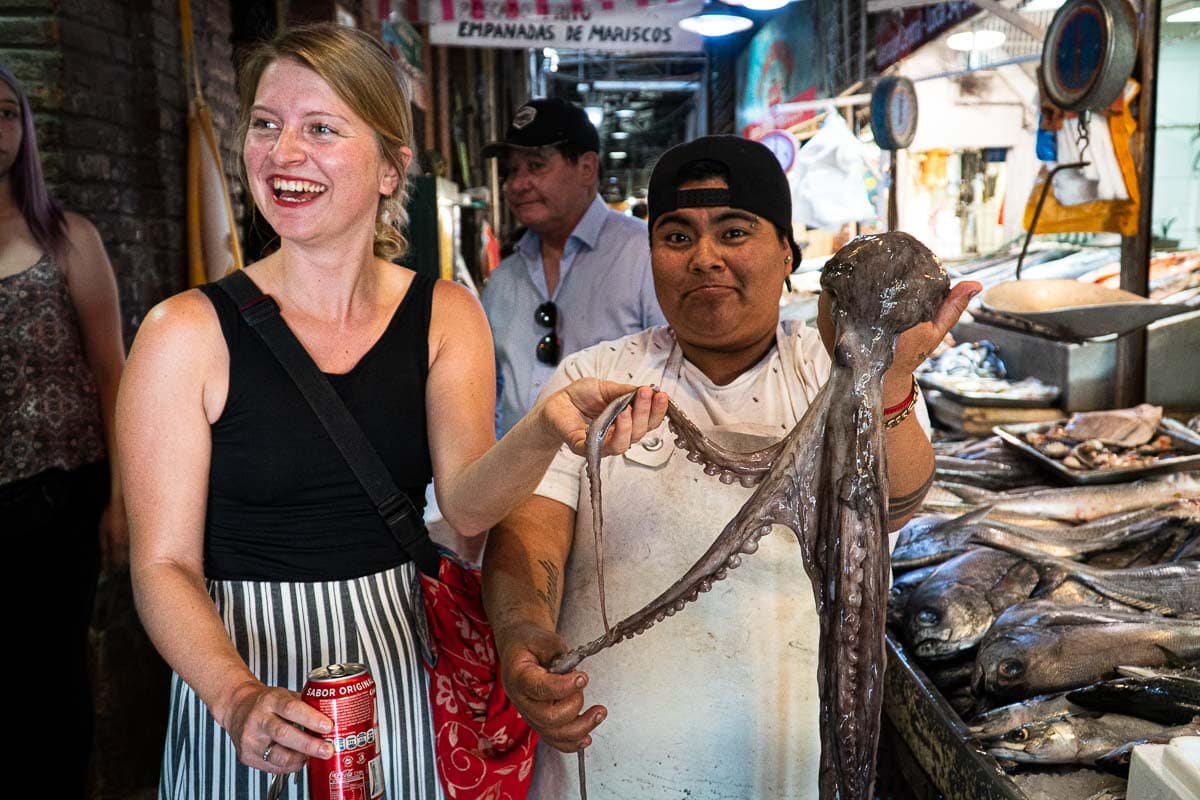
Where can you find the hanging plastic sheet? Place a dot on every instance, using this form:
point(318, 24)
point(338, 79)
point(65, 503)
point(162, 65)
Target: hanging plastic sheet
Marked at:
point(1102, 196)
point(828, 186)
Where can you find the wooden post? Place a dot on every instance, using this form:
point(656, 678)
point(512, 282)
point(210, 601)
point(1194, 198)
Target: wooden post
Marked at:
point(1135, 250)
point(491, 133)
point(893, 220)
point(443, 108)
point(429, 139)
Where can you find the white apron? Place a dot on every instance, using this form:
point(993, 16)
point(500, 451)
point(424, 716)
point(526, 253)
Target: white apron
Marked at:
point(720, 700)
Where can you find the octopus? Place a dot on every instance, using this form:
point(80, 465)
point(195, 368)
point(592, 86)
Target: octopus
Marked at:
point(827, 482)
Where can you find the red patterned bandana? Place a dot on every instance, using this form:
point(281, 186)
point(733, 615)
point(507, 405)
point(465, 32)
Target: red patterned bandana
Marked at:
point(484, 748)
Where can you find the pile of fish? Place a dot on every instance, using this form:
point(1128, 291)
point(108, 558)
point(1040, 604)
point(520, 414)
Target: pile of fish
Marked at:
point(985, 463)
point(1062, 624)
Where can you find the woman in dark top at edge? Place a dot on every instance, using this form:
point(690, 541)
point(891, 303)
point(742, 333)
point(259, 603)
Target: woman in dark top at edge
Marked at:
point(256, 553)
point(61, 354)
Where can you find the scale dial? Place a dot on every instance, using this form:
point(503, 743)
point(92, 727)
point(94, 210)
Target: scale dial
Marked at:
point(783, 146)
point(1089, 53)
point(894, 112)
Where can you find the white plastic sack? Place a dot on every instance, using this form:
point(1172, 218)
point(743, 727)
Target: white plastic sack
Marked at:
point(827, 179)
point(1099, 180)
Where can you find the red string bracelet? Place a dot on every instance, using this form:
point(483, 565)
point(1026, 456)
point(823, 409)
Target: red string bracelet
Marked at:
point(887, 412)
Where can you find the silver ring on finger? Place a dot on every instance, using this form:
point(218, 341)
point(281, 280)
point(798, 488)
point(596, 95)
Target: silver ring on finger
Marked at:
point(266, 756)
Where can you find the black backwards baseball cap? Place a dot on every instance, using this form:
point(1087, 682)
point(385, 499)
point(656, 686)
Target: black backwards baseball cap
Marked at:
point(546, 121)
point(756, 182)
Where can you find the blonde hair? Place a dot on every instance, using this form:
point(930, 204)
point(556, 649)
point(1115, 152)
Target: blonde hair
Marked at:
point(359, 69)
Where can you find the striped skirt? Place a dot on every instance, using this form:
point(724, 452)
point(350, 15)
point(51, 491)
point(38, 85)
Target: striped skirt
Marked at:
point(283, 630)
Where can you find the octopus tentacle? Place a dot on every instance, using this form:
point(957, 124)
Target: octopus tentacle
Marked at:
point(728, 465)
point(779, 499)
point(595, 439)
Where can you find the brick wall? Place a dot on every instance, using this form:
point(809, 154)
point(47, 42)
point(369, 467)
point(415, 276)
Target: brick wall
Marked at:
point(107, 83)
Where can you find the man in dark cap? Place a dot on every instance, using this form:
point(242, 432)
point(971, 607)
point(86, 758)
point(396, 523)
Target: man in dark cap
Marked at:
point(721, 700)
point(580, 274)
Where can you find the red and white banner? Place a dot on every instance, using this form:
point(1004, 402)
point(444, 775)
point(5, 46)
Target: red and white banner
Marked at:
point(626, 25)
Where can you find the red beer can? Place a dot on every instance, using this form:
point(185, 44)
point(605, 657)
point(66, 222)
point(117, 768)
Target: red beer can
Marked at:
point(346, 694)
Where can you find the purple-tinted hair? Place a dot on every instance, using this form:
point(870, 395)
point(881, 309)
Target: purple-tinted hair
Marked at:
point(42, 213)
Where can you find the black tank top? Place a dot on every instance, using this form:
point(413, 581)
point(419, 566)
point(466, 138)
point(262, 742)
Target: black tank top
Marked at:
point(283, 504)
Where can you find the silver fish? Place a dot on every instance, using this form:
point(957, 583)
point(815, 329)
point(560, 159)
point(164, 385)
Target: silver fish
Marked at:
point(1168, 589)
point(903, 586)
point(1128, 527)
point(934, 538)
point(1082, 503)
point(999, 721)
point(984, 473)
point(1036, 647)
point(1166, 699)
point(1073, 738)
point(952, 610)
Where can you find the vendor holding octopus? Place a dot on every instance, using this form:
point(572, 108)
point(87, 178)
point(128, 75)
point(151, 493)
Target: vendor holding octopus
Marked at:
point(721, 701)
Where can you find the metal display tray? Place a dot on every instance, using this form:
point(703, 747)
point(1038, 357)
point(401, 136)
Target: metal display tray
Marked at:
point(1181, 438)
point(930, 382)
point(936, 737)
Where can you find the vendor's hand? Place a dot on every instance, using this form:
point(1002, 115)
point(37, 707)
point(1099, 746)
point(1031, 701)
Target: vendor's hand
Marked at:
point(550, 703)
point(114, 537)
point(915, 344)
point(568, 412)
point(259, 717)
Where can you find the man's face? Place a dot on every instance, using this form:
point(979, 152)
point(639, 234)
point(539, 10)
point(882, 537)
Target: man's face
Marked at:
point(545, 190)
point(718, 273)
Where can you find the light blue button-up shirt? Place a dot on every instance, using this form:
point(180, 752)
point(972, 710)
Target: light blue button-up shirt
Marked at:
point(605, 291)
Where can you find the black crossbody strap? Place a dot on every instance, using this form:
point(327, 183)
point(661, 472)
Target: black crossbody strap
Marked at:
point(262, 314)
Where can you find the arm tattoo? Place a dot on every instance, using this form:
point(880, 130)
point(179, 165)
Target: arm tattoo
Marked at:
point(900, 507)
point(550, 595)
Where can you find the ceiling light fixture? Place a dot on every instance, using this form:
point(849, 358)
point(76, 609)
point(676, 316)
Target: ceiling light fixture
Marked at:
point(715, 20)
point(759, 5)
point(620, 134)
point(626, 113)
point(595, 115)
point(1041, 5)
point(968, 41)
point(617, 155)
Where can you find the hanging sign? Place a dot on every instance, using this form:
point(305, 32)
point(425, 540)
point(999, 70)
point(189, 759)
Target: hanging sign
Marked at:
point(624, 25)
point(898, 34)
point(781, 64)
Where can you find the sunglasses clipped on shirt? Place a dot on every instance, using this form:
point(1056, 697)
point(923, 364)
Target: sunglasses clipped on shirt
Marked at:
point(548, 347)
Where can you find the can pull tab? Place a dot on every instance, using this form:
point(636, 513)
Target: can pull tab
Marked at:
point(275, 788)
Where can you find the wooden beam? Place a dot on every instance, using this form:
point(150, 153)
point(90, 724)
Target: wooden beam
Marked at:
point(1135, 250)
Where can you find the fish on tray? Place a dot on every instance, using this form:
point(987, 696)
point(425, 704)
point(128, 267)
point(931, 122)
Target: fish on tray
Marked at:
point(1083, 503)
point(1038, 647)
point(1078, 738)
point(932, 539)
point(1170, 589)
point(1164, 698)
point(952, 610)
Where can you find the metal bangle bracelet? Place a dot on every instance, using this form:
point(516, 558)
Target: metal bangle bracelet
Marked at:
point(904, 412)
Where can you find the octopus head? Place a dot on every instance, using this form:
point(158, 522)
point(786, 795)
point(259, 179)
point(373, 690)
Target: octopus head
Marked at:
point(889, 279)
